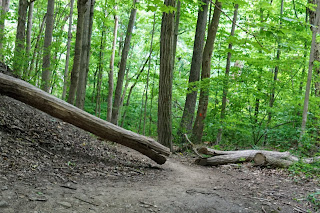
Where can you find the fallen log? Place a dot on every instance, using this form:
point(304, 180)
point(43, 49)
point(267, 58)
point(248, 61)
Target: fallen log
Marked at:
point(259, 157)
point(33, 96)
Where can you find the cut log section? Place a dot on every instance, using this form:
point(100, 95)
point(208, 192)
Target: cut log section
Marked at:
point(33, 96)
point(259, 157)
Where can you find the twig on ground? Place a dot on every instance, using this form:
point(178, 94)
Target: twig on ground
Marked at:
point(193, 147)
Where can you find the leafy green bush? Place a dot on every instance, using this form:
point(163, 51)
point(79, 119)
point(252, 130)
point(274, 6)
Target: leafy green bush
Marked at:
point(311, 170)
point(314, 198)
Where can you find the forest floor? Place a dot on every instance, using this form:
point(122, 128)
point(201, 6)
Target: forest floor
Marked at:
point(47, 165)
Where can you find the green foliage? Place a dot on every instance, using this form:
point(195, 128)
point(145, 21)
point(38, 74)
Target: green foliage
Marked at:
point(255, 43)
point(314, 198)
point(309, 170)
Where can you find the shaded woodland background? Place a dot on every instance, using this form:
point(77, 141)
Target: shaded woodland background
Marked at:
point(232, 74)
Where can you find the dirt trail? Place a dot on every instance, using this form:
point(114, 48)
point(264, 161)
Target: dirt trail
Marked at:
point(50, 166)
point(179, 187)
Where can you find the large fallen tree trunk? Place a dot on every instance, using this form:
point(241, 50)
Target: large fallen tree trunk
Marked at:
point(259, 157)
point(45, 102)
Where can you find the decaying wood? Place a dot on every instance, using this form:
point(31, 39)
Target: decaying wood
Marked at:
point(45, 102)
point(259, 157)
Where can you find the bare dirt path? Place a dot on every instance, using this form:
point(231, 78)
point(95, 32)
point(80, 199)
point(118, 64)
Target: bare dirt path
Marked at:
point(178, 187)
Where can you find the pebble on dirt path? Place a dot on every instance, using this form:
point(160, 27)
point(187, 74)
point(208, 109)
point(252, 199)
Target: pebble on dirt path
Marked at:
point(3, 204)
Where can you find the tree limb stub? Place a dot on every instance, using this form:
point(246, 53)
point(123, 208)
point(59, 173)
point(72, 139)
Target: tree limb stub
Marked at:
point(45, 102)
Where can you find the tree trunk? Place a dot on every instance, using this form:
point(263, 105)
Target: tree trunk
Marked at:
point(276, 71)
point(255, 127)
point(166, 77)
point(89, 44)
point(46, 69)
point(226, 77)
point(131, 89)
point(5, 8)
point(28, 37)
point(205, 74)
point(66, 68)
point(36, 49)
point(77, 52)
point(148, 76)
point(39, 99)
point(176, 31)
point(111, 67)
point(123, 63)
point(259, 157)
point(84, 64)
point(151, 102)
point(315, 31)
point(100, 71)
point(18, 59)
point(191, 98)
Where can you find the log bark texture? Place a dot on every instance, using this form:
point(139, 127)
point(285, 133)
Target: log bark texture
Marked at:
point(45, 102)
point(259, 157)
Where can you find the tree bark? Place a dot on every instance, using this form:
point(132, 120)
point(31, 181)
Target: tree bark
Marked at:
point(85, 50)
point(197, 130)
point(259, 157)
point(315, 31)
point(28, 37)
point(123, 63)
point(131, 89)
point(100, 72)
point(56, 107)
point(66, 68)
point(166, 77)
point(36, 49)
point(226, 77)
point(46, 69)
point(111, 67)
point(4, 10)
point(276, 71)
point(77, 52)
point(176, 31)
point(148, 76)
point(18, 59)
point(191, 97)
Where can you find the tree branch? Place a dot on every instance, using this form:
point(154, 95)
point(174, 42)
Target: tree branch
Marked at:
point(246, 31)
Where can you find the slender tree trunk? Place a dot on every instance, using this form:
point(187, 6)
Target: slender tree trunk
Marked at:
point(166, 77)
point(122, 68)
point(315, 31)
point(85, 50)
point(124, 95)
point(77, 52)
point(141, 111)
point(176, 31)
point(148, 75)
point(151, 103)
point(276, 70)
point(36, 49)
point(100, 71)
point(89, 41)
point(28, 37)
point(275, 77)
point(46, 69)
point(226, 78)
point(257, 101)
point(18, 59)
point(205, 74)
point(131, 89)
point(4, 10)
point(111, 67)
point(66, 68)
point(191, 98)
